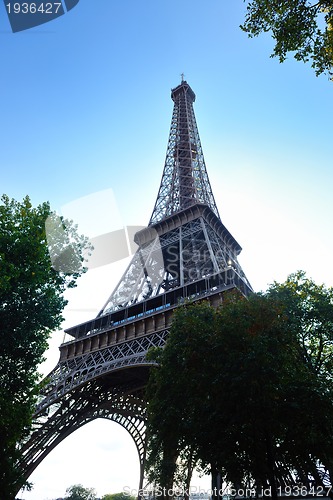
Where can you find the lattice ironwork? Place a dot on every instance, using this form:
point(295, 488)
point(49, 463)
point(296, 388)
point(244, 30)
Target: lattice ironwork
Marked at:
point(182, 248)
point(184, 181)
point(75, 372)
point(124, 405)
point(185, 252)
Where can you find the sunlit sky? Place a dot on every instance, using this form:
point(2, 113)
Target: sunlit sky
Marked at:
point(86, 108)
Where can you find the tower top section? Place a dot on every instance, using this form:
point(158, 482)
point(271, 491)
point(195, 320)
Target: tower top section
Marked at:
point(185, 88)
point(184, 181)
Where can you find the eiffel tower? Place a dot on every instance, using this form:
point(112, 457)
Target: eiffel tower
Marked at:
point(184, 253)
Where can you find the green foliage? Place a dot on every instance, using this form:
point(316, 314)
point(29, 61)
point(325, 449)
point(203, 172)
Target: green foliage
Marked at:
point(245, 389)
point(309, 308)
point(118, 496)
point(176, 390)
point(31, 302)
point(78, 492)
point(302, 27)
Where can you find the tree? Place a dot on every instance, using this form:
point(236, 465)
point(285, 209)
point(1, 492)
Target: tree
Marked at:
point(302, 27)
point(236, 387)
point(118, 496)
point(277, 412)
point(309, 308)
point(78, 492)
point(31, 302)
point(310, 315)
point(175, 395)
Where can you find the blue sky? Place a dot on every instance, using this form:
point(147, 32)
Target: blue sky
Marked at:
point(86, 107)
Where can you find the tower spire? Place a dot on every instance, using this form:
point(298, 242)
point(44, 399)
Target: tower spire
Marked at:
point(184, 181)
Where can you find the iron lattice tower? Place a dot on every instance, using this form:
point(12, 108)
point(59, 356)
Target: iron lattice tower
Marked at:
point(185, 252)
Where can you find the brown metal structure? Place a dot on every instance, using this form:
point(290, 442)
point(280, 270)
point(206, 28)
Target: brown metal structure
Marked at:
point(184, 253)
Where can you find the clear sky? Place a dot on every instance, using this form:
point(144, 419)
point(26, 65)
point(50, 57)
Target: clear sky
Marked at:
point(86, 107)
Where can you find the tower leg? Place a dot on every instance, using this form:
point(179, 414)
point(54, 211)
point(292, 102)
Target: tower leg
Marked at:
point(142, 470)
point(142, 473)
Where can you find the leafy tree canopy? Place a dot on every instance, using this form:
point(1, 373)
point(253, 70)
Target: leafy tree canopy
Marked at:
point(31, 303)
point(118, 496)
point(246, 389)
point(302, 27)
point(78, 492)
